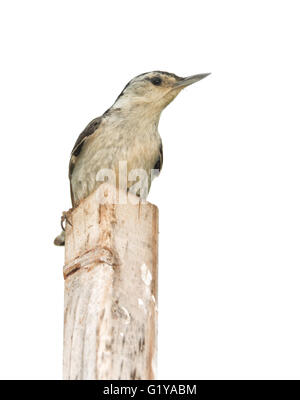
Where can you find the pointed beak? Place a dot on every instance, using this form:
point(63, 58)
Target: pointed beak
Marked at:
point(190, 80)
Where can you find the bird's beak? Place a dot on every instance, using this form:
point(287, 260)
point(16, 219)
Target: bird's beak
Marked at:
point(190, 80)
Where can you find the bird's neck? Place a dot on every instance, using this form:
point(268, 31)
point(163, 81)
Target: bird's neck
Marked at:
point(142, 116)
point(135, 124)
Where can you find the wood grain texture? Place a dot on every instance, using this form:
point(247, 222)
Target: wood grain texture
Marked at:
point(110, 313)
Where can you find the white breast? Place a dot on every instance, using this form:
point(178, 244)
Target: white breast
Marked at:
point(133, 140)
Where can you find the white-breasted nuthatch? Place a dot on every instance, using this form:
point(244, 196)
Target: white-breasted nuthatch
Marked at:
point(128, 131)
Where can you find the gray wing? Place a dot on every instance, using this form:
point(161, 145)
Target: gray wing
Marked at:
point(88, 131)
point(159, 162)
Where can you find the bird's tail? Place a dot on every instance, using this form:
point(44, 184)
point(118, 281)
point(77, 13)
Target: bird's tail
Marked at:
point(60, 239)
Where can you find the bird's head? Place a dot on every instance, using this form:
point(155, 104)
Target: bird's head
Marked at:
point(153, 91)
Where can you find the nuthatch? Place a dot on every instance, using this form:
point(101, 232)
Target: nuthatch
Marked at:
point(128, 131)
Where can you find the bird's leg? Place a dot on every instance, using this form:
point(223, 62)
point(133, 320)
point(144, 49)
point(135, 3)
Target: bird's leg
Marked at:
point(65, 217)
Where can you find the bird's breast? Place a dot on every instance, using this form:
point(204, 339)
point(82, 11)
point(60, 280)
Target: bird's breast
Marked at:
point(136, 145)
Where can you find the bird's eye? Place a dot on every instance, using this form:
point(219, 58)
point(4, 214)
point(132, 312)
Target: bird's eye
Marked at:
point(156, 80)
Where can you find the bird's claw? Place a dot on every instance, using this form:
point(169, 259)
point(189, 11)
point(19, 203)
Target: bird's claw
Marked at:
point(64, 218)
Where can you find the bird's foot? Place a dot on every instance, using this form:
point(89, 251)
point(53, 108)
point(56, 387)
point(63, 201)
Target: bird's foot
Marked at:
point(65, 218)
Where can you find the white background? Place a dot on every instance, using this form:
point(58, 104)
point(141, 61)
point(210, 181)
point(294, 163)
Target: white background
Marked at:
point(229, 195)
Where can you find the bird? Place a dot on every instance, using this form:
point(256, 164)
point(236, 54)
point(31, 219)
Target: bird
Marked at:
point(127, 131)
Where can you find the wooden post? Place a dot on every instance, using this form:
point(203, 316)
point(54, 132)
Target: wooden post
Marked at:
point(110, 312)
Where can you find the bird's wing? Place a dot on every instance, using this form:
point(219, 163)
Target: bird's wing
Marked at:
point(161, 153)
point(88, 131)
point(159, 162)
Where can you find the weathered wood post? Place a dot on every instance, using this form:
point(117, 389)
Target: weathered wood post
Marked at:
point(110, 312)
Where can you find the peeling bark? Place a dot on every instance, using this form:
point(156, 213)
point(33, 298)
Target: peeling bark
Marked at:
point(110, 320)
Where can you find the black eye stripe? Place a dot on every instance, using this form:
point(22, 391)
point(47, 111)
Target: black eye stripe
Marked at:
point(156, 80)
